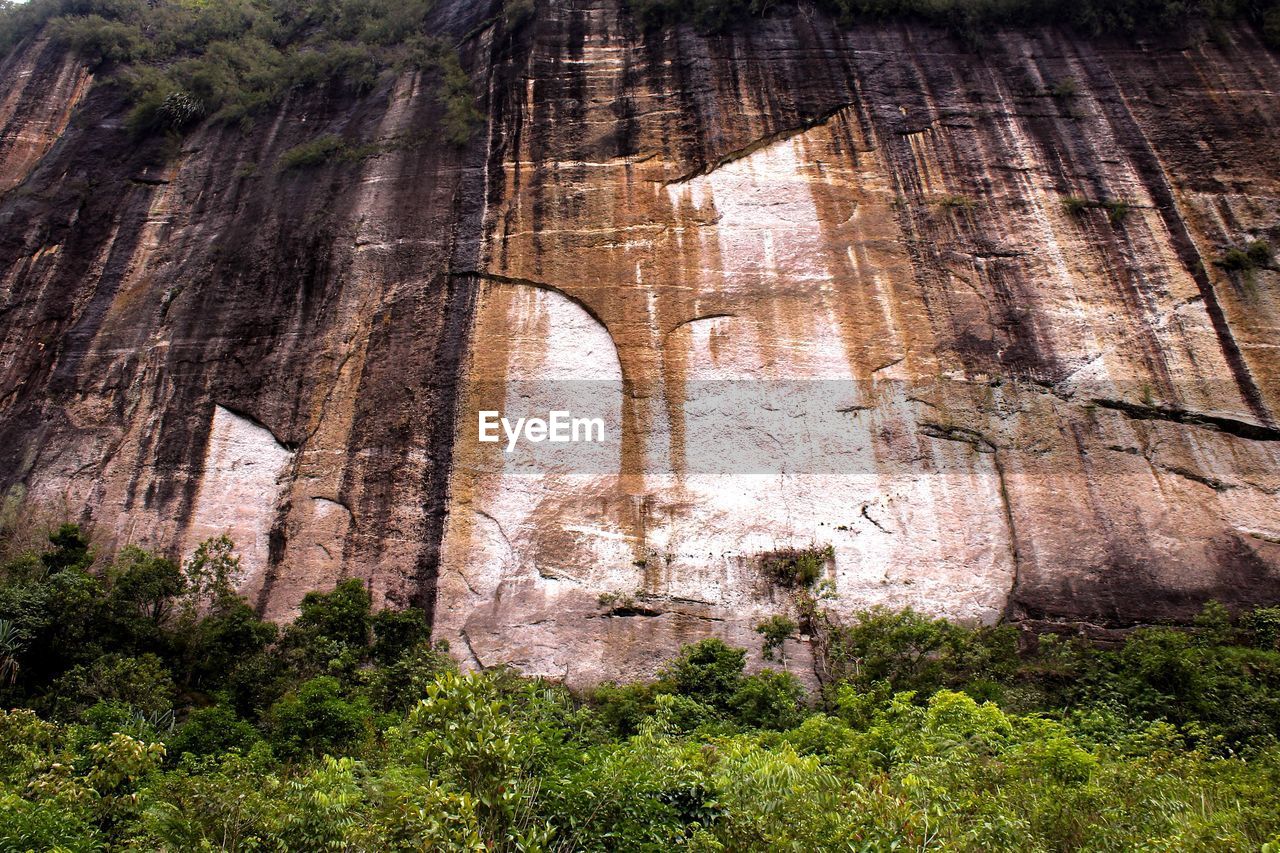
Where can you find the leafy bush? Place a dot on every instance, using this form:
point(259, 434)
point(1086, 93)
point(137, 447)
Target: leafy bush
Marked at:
point(1065, 88)
point(402, 681)
point(396, 633)
point(623, 707)
point(910, 651)
point(1254, 255)
point(143, 683)
point(99, 40)
point(775, 630)
point(709, 671)
point(316, 719)
point(212, 731)
point(1117, 210)
point(955, 202)
point(70, 550)
point(768, 700)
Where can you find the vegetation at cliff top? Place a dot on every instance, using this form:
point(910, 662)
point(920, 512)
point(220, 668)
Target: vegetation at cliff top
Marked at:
point(152, 709)
point(180, 62)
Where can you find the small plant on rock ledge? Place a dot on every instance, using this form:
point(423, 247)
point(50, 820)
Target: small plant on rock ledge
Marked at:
point(1065, 88)
point(796, 568)
point(615, 599)
point(1117, 209)
point(1256, 254)
point(1075, 205)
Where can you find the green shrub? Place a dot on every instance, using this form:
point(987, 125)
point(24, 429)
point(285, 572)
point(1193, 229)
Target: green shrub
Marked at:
point(955, 202)
point(1065, 88)
point(1262, 627)
point(683, 715)
point(623, 707)
point(396, 633)
point(212, 646)
point(768, 700)
point(1236, 259)
point(70, 550)
point(143, 683)
point(332, 630)
point(398, 684)
point(775, 630)
point(317, 719)
point(1075, 205)
point(180, 63)
point(709, 671)
point(98, 40)
point(143, 586)
point(1117, 209)
point(797, 568)
point(1254, 255)
point(1259, 252)
point(1165, 739)
point(212, 731)
point(12, 647)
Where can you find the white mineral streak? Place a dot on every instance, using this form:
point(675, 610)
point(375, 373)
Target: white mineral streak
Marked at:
point(785, 456)
point(243, 467)
point(529, 527)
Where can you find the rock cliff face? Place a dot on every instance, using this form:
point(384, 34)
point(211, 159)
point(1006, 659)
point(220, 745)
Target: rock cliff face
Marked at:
point(823, 287)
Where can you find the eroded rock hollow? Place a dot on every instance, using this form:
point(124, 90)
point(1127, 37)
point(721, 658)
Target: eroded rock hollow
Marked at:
point(955, 322)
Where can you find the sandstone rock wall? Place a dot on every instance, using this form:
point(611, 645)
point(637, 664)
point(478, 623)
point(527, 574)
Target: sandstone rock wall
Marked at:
point(821, 284)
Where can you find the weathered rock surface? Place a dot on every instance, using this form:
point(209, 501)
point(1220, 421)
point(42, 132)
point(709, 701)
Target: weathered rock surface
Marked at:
point(820, 284)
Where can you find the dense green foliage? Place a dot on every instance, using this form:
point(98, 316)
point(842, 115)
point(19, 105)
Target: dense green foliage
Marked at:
point(152, 709)
point(184, 61)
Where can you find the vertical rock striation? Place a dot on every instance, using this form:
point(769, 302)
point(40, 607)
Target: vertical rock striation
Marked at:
point(956, 317)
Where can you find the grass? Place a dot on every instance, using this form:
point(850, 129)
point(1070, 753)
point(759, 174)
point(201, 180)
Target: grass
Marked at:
point(314, 153)
point(1117, 209)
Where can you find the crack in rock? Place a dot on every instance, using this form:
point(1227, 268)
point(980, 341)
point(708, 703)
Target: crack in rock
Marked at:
point(964, 435)
point(1173, 414)
point(877, 524)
